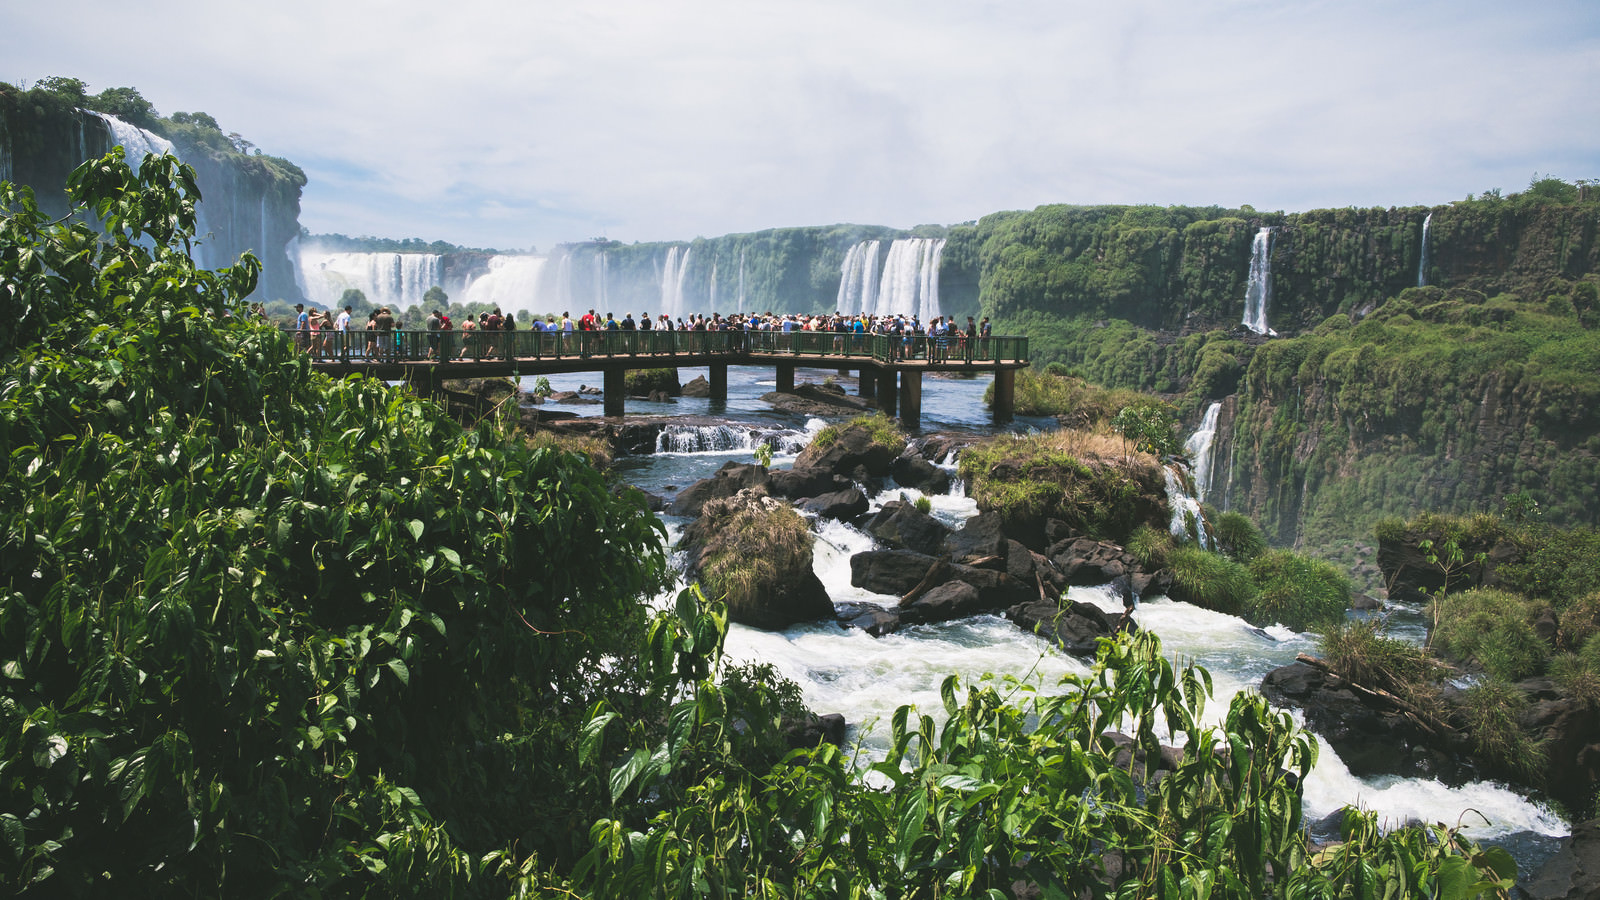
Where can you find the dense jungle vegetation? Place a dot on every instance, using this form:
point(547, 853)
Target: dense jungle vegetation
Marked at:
point(270, 634)
point(1380, 397)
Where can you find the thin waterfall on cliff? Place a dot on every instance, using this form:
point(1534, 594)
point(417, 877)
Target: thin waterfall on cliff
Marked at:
point(858, 279)
point(910, 284)
point(711, 288)
point(7, 172)
point(1202, 448)
point(1258, 293)
point(741, 279)
point(672, 275)
point(1422, 261)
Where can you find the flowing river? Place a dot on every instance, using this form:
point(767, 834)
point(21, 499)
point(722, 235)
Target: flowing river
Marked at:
point(865, 678)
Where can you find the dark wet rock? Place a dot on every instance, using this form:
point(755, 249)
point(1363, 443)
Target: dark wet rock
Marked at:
point(916, 472)
point(874, 620)
point(572, 398)
point(1074, 627)
point(1412, 578)
point(1574, 871)
point(903, 572)
point(696, 387)
point(729, 480)
point(1088, 562)
point(845, 505)
point(814, 730)
point(951, 600)
point(800, 483)
point(818, 400)
point(1364, 603)
point(852, 448)
point(981, 537)
point(1374, 732)
point(901, 526)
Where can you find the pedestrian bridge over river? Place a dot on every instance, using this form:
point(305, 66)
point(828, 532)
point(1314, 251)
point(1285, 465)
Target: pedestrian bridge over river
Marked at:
point(891, 366)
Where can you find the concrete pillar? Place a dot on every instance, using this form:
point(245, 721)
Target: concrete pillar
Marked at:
point(785, 378)
point(888, 392)
point(615, 392)
point(867, 384)
point(911, 399)
point(1005, 395)
point(719, 381)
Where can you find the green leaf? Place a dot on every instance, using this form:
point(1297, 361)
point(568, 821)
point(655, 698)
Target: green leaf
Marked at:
point(400, 671)
point(623, 776)
point(593, 730)
point(415, 527)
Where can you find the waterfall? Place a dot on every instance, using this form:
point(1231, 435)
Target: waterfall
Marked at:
point(511, 284)
point(672, 275)
point(1184, 508)
point(731, 437)
point(1258, 294)
point(602, 268)
point(1201, 447)
point(910, 284)
point(858, 279)
point(136, 142)
point(1422, 261)
point(741, 279)
point(396, 280)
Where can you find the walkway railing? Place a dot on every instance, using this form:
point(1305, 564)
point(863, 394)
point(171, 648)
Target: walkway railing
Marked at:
point(480, 346)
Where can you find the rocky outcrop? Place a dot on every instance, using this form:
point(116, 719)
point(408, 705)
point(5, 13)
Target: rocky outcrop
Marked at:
point(1074, 627)
point(729, 480)
point(853, 454)
point(1374, 732)
point(901, 526)
point(1412, 578)
point(751, 546)
point(817, 400)
point(1573, 873)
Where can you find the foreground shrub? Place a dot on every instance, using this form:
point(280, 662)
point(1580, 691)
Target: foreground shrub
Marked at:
point(1361, 652)
point(1303, 593)
point(1490, 712)
point(1152, 547)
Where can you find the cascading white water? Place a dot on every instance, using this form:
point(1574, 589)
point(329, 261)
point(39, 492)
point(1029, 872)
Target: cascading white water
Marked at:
point(673, 273)
point(910, 283)
point(858, 279)
point(602, 269)
point(1422, 260)
point(512, 284)
point(1201, 447)
point(386, 279)
point(136, 142)
point(730, 437)
point(1258, 293)
point(1185, 509)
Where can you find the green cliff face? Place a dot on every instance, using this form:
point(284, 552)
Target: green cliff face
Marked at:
point(250, 202)
point(1379, 397)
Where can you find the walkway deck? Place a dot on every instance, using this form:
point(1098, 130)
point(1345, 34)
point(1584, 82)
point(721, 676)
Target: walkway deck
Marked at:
point(891, 367)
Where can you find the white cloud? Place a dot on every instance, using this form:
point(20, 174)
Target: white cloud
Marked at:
point(498, 124)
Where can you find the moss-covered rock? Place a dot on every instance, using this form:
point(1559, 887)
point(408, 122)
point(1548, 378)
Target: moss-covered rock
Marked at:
point(755, 553)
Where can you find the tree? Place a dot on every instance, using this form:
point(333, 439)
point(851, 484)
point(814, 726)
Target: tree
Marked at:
point(125, 103)
point(72, 89)
point(197, 118)
point(263, 631)
point(436, 298)
point(356, 299)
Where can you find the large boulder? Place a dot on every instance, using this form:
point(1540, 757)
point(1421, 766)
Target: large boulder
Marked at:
point(1374, 732)
point(845, 505)
point(853, 452)
point(729, 480)
point(951, 600)
point(901, 526)
point(903, 572)
point(1573, 873)
point(1074, 627)
point(796, 484)
point(979, 539)
point(755, 552)
point(1086, 562)
point(911, 471)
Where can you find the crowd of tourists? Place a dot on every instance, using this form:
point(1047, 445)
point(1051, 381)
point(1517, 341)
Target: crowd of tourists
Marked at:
point(485, 337)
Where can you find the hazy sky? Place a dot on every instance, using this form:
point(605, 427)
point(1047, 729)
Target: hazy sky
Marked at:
point(512, 124)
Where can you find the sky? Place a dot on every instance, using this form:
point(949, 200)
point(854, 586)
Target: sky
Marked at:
point(517, 125)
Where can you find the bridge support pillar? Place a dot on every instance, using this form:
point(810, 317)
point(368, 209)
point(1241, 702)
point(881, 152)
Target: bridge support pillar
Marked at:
point(719, 381)
point(888, 392)
point(785, 378)
point(615, 391)
point(1005, 395)
point(867, 384)
point(911, 399)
